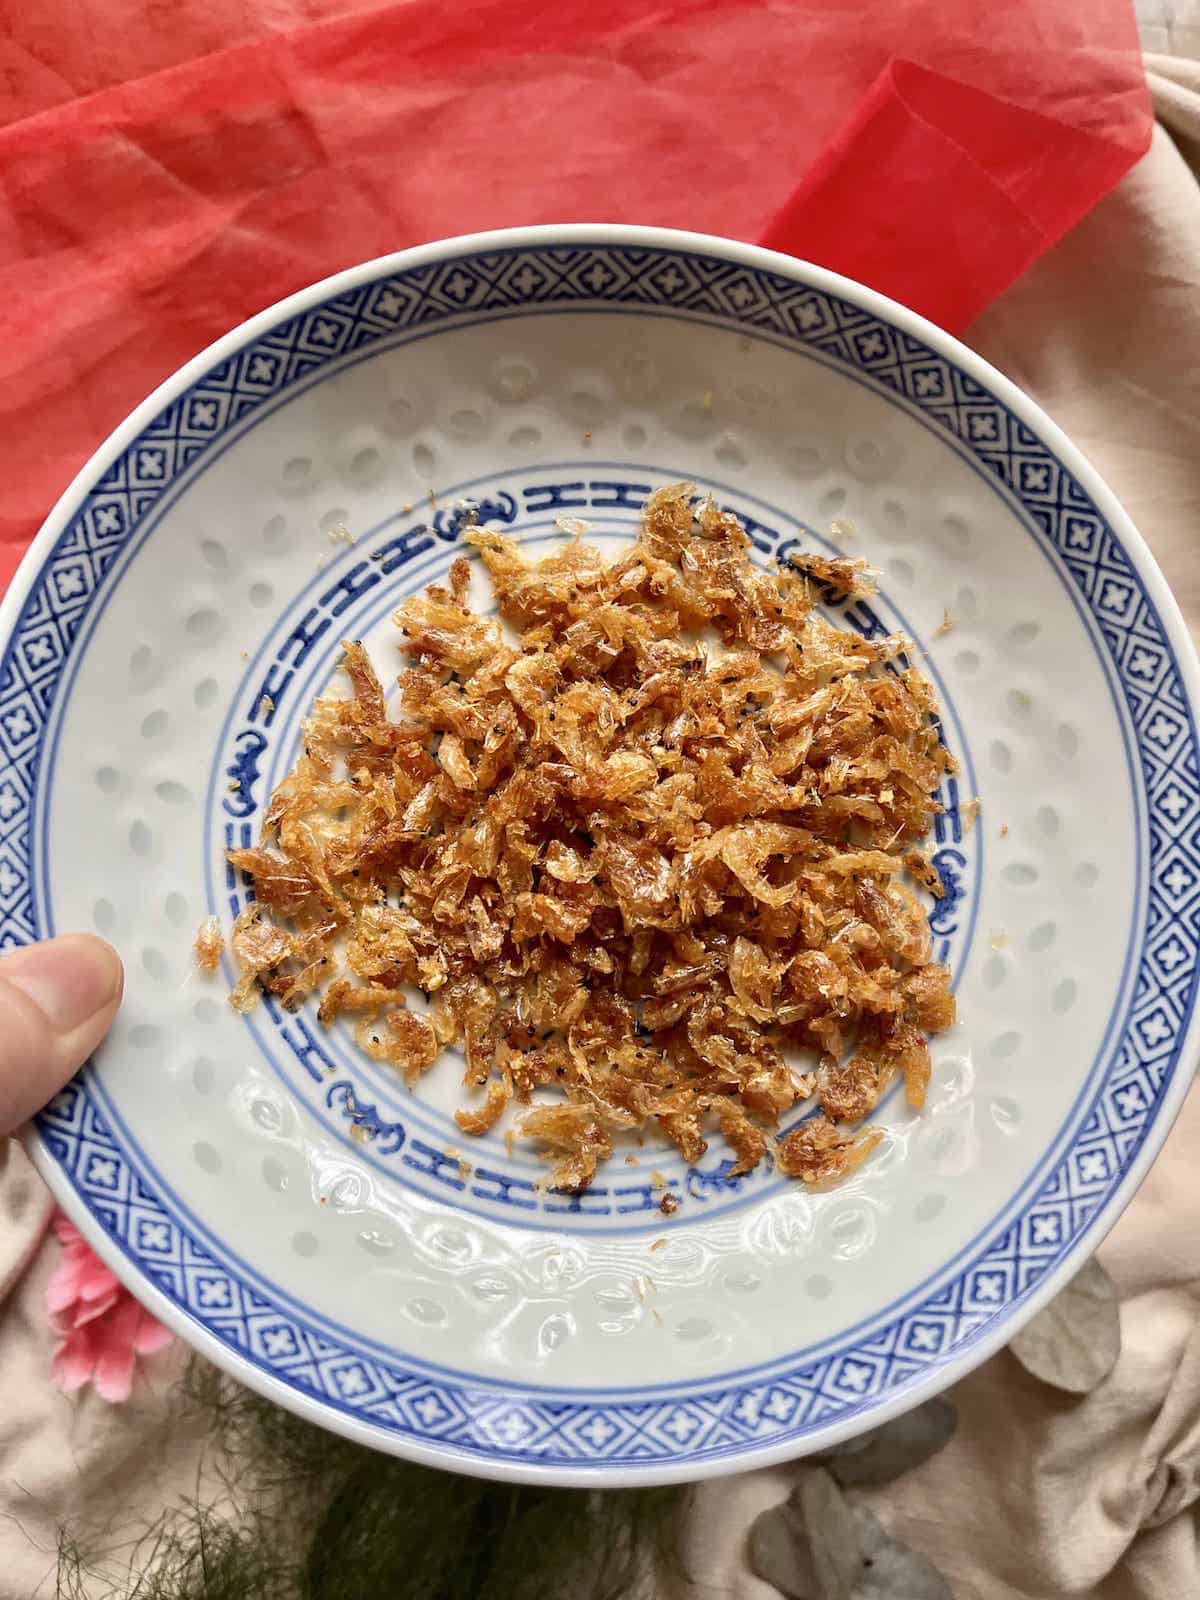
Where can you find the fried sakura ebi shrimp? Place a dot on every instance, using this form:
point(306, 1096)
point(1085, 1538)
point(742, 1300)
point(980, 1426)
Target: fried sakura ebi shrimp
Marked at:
point(209, 945)
point(642, 872)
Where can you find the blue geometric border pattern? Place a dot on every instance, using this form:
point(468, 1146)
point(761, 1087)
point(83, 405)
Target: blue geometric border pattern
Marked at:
point(727, 1418)
point(479, 1420)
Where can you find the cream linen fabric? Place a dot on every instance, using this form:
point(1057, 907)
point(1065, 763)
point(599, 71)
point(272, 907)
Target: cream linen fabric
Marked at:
point(1038, 1497)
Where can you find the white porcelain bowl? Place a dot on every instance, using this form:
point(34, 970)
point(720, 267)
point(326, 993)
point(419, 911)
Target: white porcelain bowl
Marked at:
point(288, 1206)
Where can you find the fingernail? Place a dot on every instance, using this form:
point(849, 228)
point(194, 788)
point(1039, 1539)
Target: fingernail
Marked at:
point(69, 979)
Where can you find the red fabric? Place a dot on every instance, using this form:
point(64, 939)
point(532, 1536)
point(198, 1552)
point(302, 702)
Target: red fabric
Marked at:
point(965, 190)
point(159, 183)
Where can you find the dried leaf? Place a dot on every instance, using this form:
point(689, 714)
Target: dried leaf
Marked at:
point(833, 1536)
point(780, 1552)
point(894, 1448)
point(818, 1546)
point(890, 1570)
point(1074, 1343)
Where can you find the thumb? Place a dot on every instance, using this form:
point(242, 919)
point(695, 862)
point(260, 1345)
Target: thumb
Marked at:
point(57, 1001)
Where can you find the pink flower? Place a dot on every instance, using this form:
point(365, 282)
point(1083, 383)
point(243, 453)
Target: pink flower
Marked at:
point(103, 1327)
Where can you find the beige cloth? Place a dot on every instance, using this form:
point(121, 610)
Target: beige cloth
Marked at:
point(1038, 1497)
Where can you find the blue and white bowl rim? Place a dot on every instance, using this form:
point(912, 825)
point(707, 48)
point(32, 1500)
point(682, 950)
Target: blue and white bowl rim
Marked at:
point(1050, 1229)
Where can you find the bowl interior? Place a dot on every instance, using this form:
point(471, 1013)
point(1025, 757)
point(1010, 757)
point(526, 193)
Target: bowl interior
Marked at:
point(332, 1228)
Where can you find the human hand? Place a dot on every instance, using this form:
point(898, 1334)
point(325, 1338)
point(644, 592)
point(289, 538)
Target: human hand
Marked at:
point(57, 1001)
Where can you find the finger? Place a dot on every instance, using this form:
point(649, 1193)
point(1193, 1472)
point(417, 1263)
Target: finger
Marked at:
point(57, 1001)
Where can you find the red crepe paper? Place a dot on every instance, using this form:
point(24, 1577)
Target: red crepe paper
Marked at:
point(51, 53)
point(964, 190)
point(140, 221)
